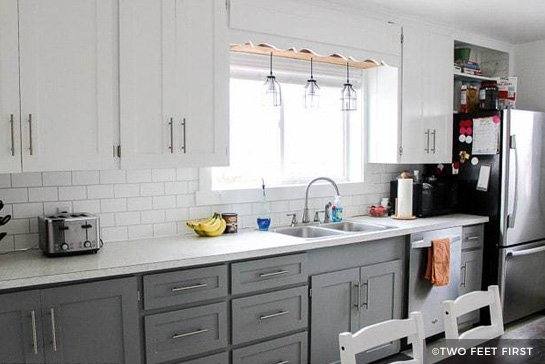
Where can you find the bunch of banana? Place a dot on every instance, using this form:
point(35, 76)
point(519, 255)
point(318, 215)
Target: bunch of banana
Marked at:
point(212, 226)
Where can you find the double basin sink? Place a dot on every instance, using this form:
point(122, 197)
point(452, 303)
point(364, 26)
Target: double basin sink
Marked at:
point(331, 229)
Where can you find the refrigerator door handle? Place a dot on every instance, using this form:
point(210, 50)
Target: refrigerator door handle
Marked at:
point(520, 253)
point(512, 216)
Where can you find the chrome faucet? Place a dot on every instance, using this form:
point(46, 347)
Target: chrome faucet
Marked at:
point(306, 219)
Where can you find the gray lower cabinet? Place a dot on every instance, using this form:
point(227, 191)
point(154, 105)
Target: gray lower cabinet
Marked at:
point(222, 358)
point(349, 300)
point(92, 323)
point(21, 328)
point(470, 280)
point(286, 350)
point(81, 323)
point(184, 333)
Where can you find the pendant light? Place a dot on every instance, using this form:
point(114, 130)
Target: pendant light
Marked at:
point(312, 91)
point(273, 94)
point(349, 98)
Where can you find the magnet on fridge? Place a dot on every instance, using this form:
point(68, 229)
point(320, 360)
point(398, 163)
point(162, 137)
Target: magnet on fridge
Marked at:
point(455, 167)
point(474, 161)
point(462, 138)
point(469, 139)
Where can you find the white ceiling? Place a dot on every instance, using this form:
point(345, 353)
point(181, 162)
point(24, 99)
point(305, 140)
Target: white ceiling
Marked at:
point(507, 20)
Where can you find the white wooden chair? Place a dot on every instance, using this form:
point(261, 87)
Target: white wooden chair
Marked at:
point(382, 333)
point(470, 302)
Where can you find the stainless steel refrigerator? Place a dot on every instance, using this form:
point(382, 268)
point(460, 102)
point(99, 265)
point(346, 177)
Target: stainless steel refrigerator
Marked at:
point(514, 199)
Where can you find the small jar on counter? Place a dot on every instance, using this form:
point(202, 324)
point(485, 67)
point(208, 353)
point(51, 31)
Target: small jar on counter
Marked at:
point(231, 220)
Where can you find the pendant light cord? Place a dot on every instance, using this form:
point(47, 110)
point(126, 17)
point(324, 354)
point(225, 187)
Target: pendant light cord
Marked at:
point(270, 65)
point(347, 73)
point(311, 70)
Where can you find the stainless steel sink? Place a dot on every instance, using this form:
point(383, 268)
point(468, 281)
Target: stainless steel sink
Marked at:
point(308, 232)
point(355, 226)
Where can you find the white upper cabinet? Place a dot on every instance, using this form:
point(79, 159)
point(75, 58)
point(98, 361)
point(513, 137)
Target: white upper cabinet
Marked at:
point(68, 76)
point(10, 146)
point(174, 82)
point(421, 130)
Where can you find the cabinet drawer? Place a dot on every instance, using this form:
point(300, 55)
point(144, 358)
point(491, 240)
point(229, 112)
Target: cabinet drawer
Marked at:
point(179, 334)
point(268, 314)
point(186, 286)
point(268, 273)
point(222, 358)
point(473, 237)
point(291, 349)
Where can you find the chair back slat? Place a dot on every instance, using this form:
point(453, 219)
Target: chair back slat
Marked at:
point(382, 333)
point(470, 302)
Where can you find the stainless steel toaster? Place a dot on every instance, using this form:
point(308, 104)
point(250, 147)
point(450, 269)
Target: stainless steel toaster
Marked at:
point(69, 233)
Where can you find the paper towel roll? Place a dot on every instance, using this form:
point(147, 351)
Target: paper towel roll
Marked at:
point(404, 198)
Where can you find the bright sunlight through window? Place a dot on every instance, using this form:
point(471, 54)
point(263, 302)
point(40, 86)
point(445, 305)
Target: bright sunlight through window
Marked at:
point(291, 144)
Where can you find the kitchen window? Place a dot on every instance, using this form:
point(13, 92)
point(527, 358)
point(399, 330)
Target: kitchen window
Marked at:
point(289, 145)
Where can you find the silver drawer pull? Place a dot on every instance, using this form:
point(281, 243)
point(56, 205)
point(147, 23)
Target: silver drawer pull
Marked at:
point(34, 335)
point(283, 362)
point(472, 238)
point(53, 329)
point(273, 274)
point(187, 334)
point(273, 315)
point(187, 288)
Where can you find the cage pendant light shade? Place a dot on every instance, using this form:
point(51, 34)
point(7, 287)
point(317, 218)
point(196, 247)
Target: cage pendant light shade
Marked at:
point(273, 93)
point(349, 97)
point(312, 91)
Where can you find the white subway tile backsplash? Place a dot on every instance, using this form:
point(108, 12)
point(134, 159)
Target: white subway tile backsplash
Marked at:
point(139, 203)
point(152, 189)
point(113, 205)
point(22, 210)
point(57, 178)
point(127, 190)
point(72, 193)
point(85, 177)
point(100, 191)
point(12, 195)
point(5, 180)
point(36, 194)
point(113, 176)
point(163, 175)
point(139, 176)
point(151, 202)
point(33, 179)
point(164, 202)
point(92, 206)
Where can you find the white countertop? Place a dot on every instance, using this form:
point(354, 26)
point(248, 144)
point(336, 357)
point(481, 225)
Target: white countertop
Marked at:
point(31, 268)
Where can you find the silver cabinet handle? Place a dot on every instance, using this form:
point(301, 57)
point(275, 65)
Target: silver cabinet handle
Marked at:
point(34, 335)
point(171, 146)
point(183, 148)
point(357, 294)
point(283, 362)
point(273, 315)
point(30, 147)
point(187, 288)
point(366, 303)
point(427, 149)
point(53, 329)
point(273, 274)
point(464, 269)
point(434, 132)
point(12, 135)
point(472, 238)
point(187, 334)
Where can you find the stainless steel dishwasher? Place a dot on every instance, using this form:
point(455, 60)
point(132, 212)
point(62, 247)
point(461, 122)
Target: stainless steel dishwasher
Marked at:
point(423, 296)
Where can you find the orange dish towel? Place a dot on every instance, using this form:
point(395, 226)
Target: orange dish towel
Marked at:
point(438, 265)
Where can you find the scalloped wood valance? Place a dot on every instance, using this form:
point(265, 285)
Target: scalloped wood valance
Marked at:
point(303, 54)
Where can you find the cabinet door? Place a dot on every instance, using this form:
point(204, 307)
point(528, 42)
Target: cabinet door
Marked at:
point(381, 298)
point(470, 279)
point(68, 73)
point(438, 88)
point(10, 132)
point(174, 83)
point(414, 137)
point(92, 323)
point(21, 328)
point(333, 310)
